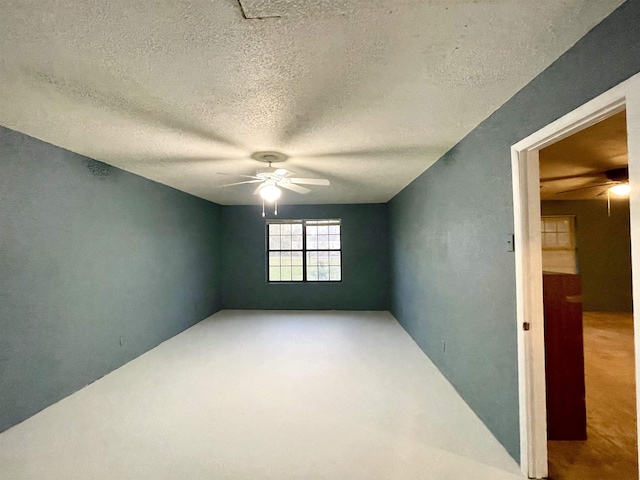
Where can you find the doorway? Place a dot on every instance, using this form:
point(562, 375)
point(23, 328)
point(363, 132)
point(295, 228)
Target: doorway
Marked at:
point(527, 213)
point(586, 261)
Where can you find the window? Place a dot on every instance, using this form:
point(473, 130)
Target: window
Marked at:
point(304, 251)
point(559, 244)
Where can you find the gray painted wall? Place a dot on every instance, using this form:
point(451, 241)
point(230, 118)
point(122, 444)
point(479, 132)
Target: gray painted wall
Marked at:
point(604, 251)
point(452, 276)
point(85, 261)
point(365, 270)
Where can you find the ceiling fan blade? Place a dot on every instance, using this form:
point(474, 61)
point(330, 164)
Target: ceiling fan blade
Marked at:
point(240, 183)
point(617, 174)
point(567, 177)
point(237, 175)
point(384, 152)
point(310, 181)
point(257, 190)
point(295, 188)
point(584, 188)
point(182, 161)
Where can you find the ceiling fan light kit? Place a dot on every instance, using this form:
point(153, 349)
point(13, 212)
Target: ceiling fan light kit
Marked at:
point(270, 193)
point(621, 189)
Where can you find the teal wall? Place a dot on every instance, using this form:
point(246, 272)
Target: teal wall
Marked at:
point(365, 258)
point(604, 251)
point(452, 276)
point(86, 260)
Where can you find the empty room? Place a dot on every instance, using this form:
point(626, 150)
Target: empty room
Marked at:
point(289, 240)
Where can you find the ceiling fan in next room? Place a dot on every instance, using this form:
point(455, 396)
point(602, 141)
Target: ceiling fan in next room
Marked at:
point(612, 181)
point(270, 180)
point(615, 180)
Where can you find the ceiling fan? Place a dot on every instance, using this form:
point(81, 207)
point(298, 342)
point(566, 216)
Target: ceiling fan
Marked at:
point(270, 180)
point(617, 181)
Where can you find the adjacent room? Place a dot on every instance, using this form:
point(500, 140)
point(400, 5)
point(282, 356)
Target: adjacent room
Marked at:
point(244, 239)
point(589, 337)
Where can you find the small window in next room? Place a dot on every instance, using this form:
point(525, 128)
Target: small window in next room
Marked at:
point(304, 251)
point(559, 244)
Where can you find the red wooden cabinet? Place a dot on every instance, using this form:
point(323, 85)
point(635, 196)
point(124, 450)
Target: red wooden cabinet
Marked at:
point(564, 350)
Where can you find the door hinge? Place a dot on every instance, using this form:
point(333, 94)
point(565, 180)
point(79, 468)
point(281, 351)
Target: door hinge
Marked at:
point(526, 326)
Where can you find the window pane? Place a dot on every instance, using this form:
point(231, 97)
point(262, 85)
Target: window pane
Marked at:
point(563, 226)
point(296, 258)
point(274, 243)
point(334, 242)
point(296, 242)
point(549, 239)
point(564, 240)
point(323, 258)
point(296, 229)
point(323, 230)
point(334, 229)
point(285, 229)
point(274, 229)
point(296, 273)
point(323, 242)
point(312, 239)
point(285, 242)
point(323, 273)
point(274, 274)
point(334, 258)
point(274, 259)
point(285, 274)
point(312, 273)
point(285, 259)
point(312, 258)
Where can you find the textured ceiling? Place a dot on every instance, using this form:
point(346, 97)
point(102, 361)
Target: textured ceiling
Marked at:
point(580, 160)
point(365, 93)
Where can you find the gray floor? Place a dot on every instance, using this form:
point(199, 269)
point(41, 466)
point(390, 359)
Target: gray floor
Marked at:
point(264, 395)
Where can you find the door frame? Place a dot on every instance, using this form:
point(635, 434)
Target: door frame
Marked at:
point(526, 202)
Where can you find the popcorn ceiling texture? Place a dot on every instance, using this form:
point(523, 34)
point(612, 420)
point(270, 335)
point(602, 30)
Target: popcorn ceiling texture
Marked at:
point(367, 94)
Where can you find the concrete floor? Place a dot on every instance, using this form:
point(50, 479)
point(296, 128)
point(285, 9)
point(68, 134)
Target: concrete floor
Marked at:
point(264, 395)
point(610, 451)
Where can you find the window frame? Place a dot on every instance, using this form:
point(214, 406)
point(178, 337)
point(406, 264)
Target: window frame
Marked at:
point(557, 254)
point(304, 249)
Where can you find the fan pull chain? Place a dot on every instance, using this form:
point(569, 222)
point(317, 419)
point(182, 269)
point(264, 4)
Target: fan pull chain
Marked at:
point(263, 208)
point(275, 207)
point(608, 203)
